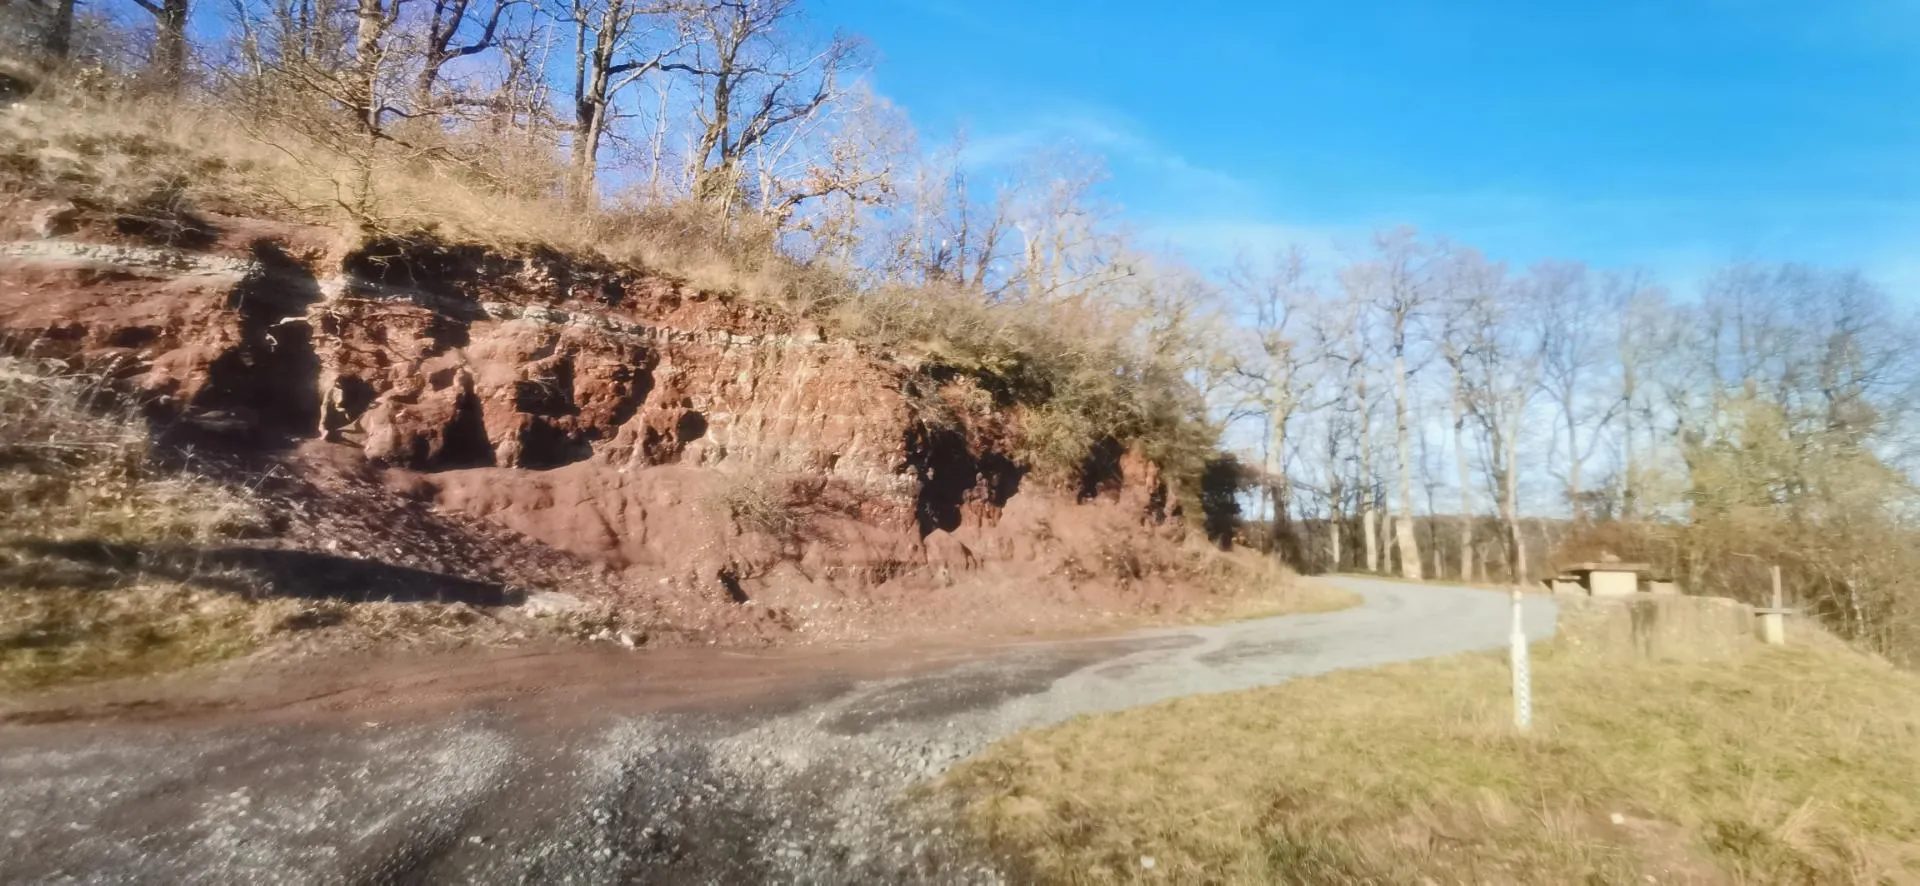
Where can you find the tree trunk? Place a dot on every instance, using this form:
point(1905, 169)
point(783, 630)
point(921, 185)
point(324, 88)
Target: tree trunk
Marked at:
point(1466, 481)
point(1282, 488)
point(590, 84)
point(170, 45)
point(715, 178)
point(583, 167)
point(657, 147)
point(1403, 524)
point(1630, 483)
point(1367, 529)
point(1510, 510)
point(1574, 505)
point(1370, 532)
point(423, 84)
point(436, 54)
point(59, 41)
point(1389, 528)
point(1333, 538)
point(370, 24)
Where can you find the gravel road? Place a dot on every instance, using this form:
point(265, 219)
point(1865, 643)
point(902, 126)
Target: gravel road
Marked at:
point(801, 773)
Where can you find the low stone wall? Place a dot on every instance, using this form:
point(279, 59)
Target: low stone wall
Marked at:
point(1659, 627)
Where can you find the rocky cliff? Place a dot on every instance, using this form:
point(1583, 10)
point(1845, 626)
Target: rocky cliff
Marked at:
point(608, 421)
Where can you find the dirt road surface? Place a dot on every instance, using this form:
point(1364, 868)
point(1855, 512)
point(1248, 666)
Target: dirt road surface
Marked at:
point(696, 766)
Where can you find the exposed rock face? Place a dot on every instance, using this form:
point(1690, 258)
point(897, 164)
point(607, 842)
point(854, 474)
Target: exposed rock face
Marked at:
point(604, 411)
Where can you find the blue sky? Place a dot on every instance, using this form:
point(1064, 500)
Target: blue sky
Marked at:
point(1673, 135)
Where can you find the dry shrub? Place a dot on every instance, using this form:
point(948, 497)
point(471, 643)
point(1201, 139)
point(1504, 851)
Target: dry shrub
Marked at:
point(761, 501)
point(1077, 376)
point(127, 160)
point(1250, 584)
point(163, 160)
point(76, 463)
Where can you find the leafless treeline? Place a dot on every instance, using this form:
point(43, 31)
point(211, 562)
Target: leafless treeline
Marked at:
point(1409, 393)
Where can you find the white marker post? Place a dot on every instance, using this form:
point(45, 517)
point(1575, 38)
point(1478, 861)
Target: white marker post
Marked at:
point(1522, 675)
point(1773, 621)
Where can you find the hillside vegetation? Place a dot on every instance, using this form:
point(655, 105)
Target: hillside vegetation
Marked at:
point(1792, 765)
point(1030, 287)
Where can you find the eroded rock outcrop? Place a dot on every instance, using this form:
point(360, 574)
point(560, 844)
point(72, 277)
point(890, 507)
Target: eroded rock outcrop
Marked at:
point(605, 411)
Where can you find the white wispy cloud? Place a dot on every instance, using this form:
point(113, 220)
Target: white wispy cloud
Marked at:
point(1214, 243)
point(1150, 167)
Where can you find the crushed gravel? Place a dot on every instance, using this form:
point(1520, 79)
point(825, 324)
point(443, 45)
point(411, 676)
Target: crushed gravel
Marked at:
point(809, 788)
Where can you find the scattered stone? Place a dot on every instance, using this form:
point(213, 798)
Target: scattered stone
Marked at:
point(57, 220)
point(541, 604)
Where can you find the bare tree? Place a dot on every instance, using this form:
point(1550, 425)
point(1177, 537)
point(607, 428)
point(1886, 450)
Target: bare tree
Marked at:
point(1066, 246)
point(1502, 357)
point(169, 42)
point(1631, 298)
point(945, 233)
point(1468, 281)
point(842, 164)
point(1570, 314)
point(616, 43)
point(755, 78)
point(373, 22)
point(1279, 295)
point(1395, 284)
point(1335, 431)
point(448, 24)
point(1343, 344)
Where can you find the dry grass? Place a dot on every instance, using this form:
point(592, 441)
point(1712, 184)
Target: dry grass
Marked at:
point(63, 635)
point(1798, 765)
point(1303, 599)
point(164, 160)
point(76, 465)
point(76, 468)
point(1250, 585)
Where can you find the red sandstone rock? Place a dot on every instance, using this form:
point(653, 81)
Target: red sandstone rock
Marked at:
point(592, 409)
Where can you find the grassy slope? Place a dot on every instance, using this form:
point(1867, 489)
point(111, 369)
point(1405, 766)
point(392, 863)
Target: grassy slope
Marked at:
point(57, 636)
point(1791, 765)
point(75, 468)
point(1291, 595)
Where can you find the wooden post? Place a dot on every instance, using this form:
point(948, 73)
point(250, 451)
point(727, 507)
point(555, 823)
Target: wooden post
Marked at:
point(1522, 675)
point(1773, 620)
